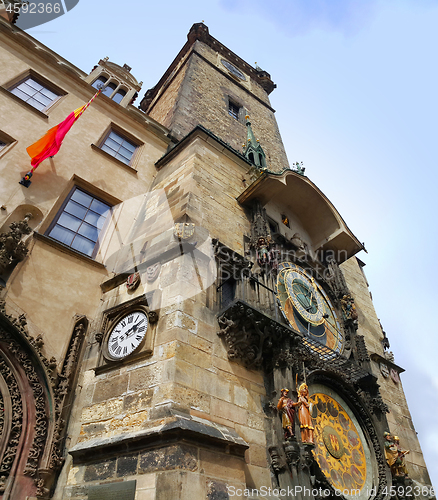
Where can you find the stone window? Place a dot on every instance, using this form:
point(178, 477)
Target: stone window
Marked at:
point(2, 144)
point(273, 226)
point(233, 109)
point(100, 81)
point(80, 221)
point(111, 90)
point(119, 95)
point(119, 146)
point(33, 92)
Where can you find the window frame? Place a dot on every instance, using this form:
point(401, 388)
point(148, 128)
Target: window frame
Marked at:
point(46, 84)
point(8, 142)
point(61, 211)
point(124, 135)
point(234, 110)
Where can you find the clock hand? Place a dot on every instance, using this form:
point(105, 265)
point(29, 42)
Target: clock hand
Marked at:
point(134, 328)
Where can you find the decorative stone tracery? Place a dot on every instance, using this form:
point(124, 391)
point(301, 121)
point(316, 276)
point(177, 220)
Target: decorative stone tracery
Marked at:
point(31, 439)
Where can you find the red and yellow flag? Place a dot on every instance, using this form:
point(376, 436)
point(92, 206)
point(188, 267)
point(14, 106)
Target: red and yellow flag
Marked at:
point(50, 143)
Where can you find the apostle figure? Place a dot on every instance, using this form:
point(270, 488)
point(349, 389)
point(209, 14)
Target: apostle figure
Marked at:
point(399, 467)
point(391, 452)
point(304, 414)
point(286, 409)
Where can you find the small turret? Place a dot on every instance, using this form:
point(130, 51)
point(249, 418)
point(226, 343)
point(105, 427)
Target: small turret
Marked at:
point(119, 84)
point(252, 149)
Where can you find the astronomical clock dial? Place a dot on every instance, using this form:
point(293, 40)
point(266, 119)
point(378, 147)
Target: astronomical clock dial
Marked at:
point(307, 307)
point(232, 69)
point(341, 449)
point(127, 335)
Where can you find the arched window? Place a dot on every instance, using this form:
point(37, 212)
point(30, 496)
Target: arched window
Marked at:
point(109, 89)
point(99, 81)
point(119, 95)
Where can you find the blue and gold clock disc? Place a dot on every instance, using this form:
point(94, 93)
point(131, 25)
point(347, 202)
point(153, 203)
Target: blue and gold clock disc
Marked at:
point(307, 307)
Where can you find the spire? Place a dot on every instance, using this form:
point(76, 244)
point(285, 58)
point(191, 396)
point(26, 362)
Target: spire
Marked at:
point(252, 149)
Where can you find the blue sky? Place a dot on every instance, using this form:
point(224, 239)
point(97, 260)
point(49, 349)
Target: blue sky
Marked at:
point(356, 102)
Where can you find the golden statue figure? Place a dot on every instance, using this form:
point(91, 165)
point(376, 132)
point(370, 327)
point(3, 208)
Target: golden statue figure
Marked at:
point(285, 406)
point(304, 414)
point(395, 456)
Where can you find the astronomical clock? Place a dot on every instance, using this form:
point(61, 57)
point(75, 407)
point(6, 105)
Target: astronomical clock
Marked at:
point(341, 449)
point(307, 308)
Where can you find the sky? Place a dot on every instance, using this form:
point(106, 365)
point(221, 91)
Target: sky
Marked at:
point(356, 103)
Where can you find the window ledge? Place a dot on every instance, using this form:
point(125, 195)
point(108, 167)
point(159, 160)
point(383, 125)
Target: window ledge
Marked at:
point(64, 248)
point(112, 158)
point(25, 104)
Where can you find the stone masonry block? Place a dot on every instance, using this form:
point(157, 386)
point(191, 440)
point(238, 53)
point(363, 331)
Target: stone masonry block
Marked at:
point(110, 388)
point(101, 470)
point(126, 466)
point(102, 411)
point(222, 466)
point(210, 383)
point(228, 411)
point(145, 377)
point(179, 456)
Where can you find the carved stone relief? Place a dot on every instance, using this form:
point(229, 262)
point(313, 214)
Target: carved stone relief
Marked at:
point(47, 394)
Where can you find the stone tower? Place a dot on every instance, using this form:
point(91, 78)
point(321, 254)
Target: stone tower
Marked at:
point(209, 85)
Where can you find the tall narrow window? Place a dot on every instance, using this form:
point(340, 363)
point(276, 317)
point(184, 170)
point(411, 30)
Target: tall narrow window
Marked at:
point(233, 109)
point(119, 95)
point(99, 81)
point(80, 222)
point(35, 94)
point(119, 147)
point(109, 89)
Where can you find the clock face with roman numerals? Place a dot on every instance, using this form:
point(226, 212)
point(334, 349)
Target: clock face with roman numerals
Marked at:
point(127, 334)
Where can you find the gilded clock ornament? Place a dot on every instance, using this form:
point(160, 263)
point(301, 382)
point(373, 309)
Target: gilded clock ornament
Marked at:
point(307, 308)
point(341, 449)
point(127, 335)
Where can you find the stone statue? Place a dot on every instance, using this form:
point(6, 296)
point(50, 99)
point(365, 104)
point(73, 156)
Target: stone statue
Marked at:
point(286, 409)
point(348, 308)
point(399, 467)
point(263, 255)
point(297, 242)
point(395, 456)
point(304, 414)
point(390, 449)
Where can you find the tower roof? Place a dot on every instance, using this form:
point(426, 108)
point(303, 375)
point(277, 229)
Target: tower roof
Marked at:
point(200, 32)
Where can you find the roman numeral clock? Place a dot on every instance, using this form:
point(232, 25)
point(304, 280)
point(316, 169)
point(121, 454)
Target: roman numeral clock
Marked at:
point(127, 333)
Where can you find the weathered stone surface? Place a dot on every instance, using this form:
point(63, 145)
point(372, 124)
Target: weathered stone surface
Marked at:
point(101, 470)
point(169, 458)
point(127, 466)
point(137, 401)
point(217, 490)
point(110, 388)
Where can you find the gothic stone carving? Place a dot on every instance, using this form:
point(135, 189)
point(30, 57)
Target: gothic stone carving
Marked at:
point(277, 464)
point(47, 435)
point(261, 240)
point(250, 335)
point(16, 422)
point(12, 249)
